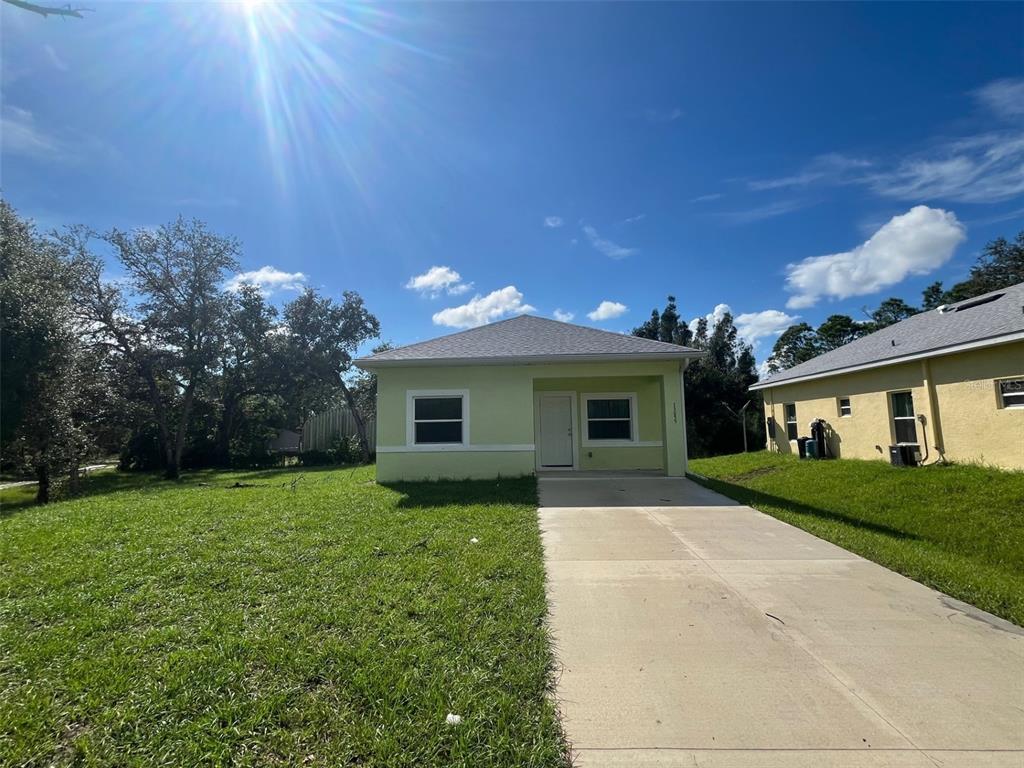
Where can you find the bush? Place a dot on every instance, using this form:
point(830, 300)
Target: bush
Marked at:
point(343, 450)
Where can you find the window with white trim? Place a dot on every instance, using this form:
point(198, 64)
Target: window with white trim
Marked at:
point(844, 407)
point(1011, 393)
point(437, 419)
point(904, 421)
point(791, 429)
point(610, 418)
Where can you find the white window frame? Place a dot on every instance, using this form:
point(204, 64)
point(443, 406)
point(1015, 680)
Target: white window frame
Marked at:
point(999, 394)
point(849, 407)
point(786, 422)
point(634, 419)
point(410, 418)
point(912, 418)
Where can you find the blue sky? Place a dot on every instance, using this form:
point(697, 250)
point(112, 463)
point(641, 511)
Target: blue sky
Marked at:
point(458, 163)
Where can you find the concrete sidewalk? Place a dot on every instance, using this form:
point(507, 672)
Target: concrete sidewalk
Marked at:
point(693, 630)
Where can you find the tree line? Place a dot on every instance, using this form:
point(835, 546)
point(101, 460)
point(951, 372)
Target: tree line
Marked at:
point(716, 384)
point(1000, 264)
point(163, 365)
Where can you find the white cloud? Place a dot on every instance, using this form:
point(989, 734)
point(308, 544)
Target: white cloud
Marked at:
point(750, 326)
point(563, 316)
point(635, 219)
point(607, 247)
point(712, 317)
point(914, 243)
point(438, 280)
point(977, 169)
point(761, 212)
point(268, 279)
point(707, 198)
point(481, 310)
point(55, 60)
point(1003, 97)
point(21, 135)
point(832, 167)
point(754, 326)
point(553, 222)
point(608, 310)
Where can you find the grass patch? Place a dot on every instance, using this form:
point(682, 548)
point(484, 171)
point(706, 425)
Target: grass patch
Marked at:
point(327, 622)
point(956, 528)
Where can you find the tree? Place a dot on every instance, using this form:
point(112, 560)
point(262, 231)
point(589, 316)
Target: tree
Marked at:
point(251, 368)
point(1000, 265)
point(666, 326)
point(838, 330)
point(42, 367)
point(891, 311)
point(651, 328)
point(795, 345)
point(363, 385)
point(172, 330)
point(932, 296)
point(716, 384)
point(322, 339)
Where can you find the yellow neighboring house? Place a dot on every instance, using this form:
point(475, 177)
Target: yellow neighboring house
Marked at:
point(946, 384)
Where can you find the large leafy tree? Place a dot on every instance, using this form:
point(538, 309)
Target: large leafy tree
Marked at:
point(45, 371)
point(838, 330)
point(322, 338)
point(251, 375)
point(891, 311)
point(169, 323)
point(797, 344)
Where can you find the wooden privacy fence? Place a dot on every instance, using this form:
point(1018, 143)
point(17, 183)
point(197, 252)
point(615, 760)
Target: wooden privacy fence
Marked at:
point(321, 430)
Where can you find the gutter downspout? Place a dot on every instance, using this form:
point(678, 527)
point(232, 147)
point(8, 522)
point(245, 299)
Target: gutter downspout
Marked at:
point(933, 408)
point(682, 407)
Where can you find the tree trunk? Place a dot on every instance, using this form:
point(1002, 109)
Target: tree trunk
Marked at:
point(364, 443)
point(73, 477)
point(170, 465)
point(43, 483)
point(179, 437)
point(226, 429)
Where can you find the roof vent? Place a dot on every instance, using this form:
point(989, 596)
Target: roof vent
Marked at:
point(977, 302)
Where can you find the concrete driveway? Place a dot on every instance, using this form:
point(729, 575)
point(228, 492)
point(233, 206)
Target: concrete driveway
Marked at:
point(694, 631)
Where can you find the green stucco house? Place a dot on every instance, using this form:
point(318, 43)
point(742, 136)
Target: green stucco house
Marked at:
point(529, 395)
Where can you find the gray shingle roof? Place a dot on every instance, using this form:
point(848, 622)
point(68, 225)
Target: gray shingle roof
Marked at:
point(528, 339)
point(973, 320)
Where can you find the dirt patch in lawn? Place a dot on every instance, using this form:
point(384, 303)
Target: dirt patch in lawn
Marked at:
point(754, 473)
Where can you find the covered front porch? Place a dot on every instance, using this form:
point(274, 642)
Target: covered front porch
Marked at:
point(609, 424)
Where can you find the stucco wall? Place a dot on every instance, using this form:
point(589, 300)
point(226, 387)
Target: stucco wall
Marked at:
point(974, 425)
point(956, 394)
point(501, 413)
point(648, 453)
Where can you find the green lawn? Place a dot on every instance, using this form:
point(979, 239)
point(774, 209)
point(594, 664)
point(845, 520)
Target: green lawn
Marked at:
point(309, 618)
point(957, 528)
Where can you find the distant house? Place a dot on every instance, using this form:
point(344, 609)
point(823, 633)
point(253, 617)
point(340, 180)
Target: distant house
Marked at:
point(948, 382)
point(529, 395)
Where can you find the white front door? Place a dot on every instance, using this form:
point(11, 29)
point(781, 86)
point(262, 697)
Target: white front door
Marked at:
point(556, 438)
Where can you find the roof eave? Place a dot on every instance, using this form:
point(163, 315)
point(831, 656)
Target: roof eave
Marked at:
point(937, 352)
point(369, 363)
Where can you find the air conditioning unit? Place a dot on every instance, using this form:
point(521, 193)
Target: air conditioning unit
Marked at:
point(905, 455)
